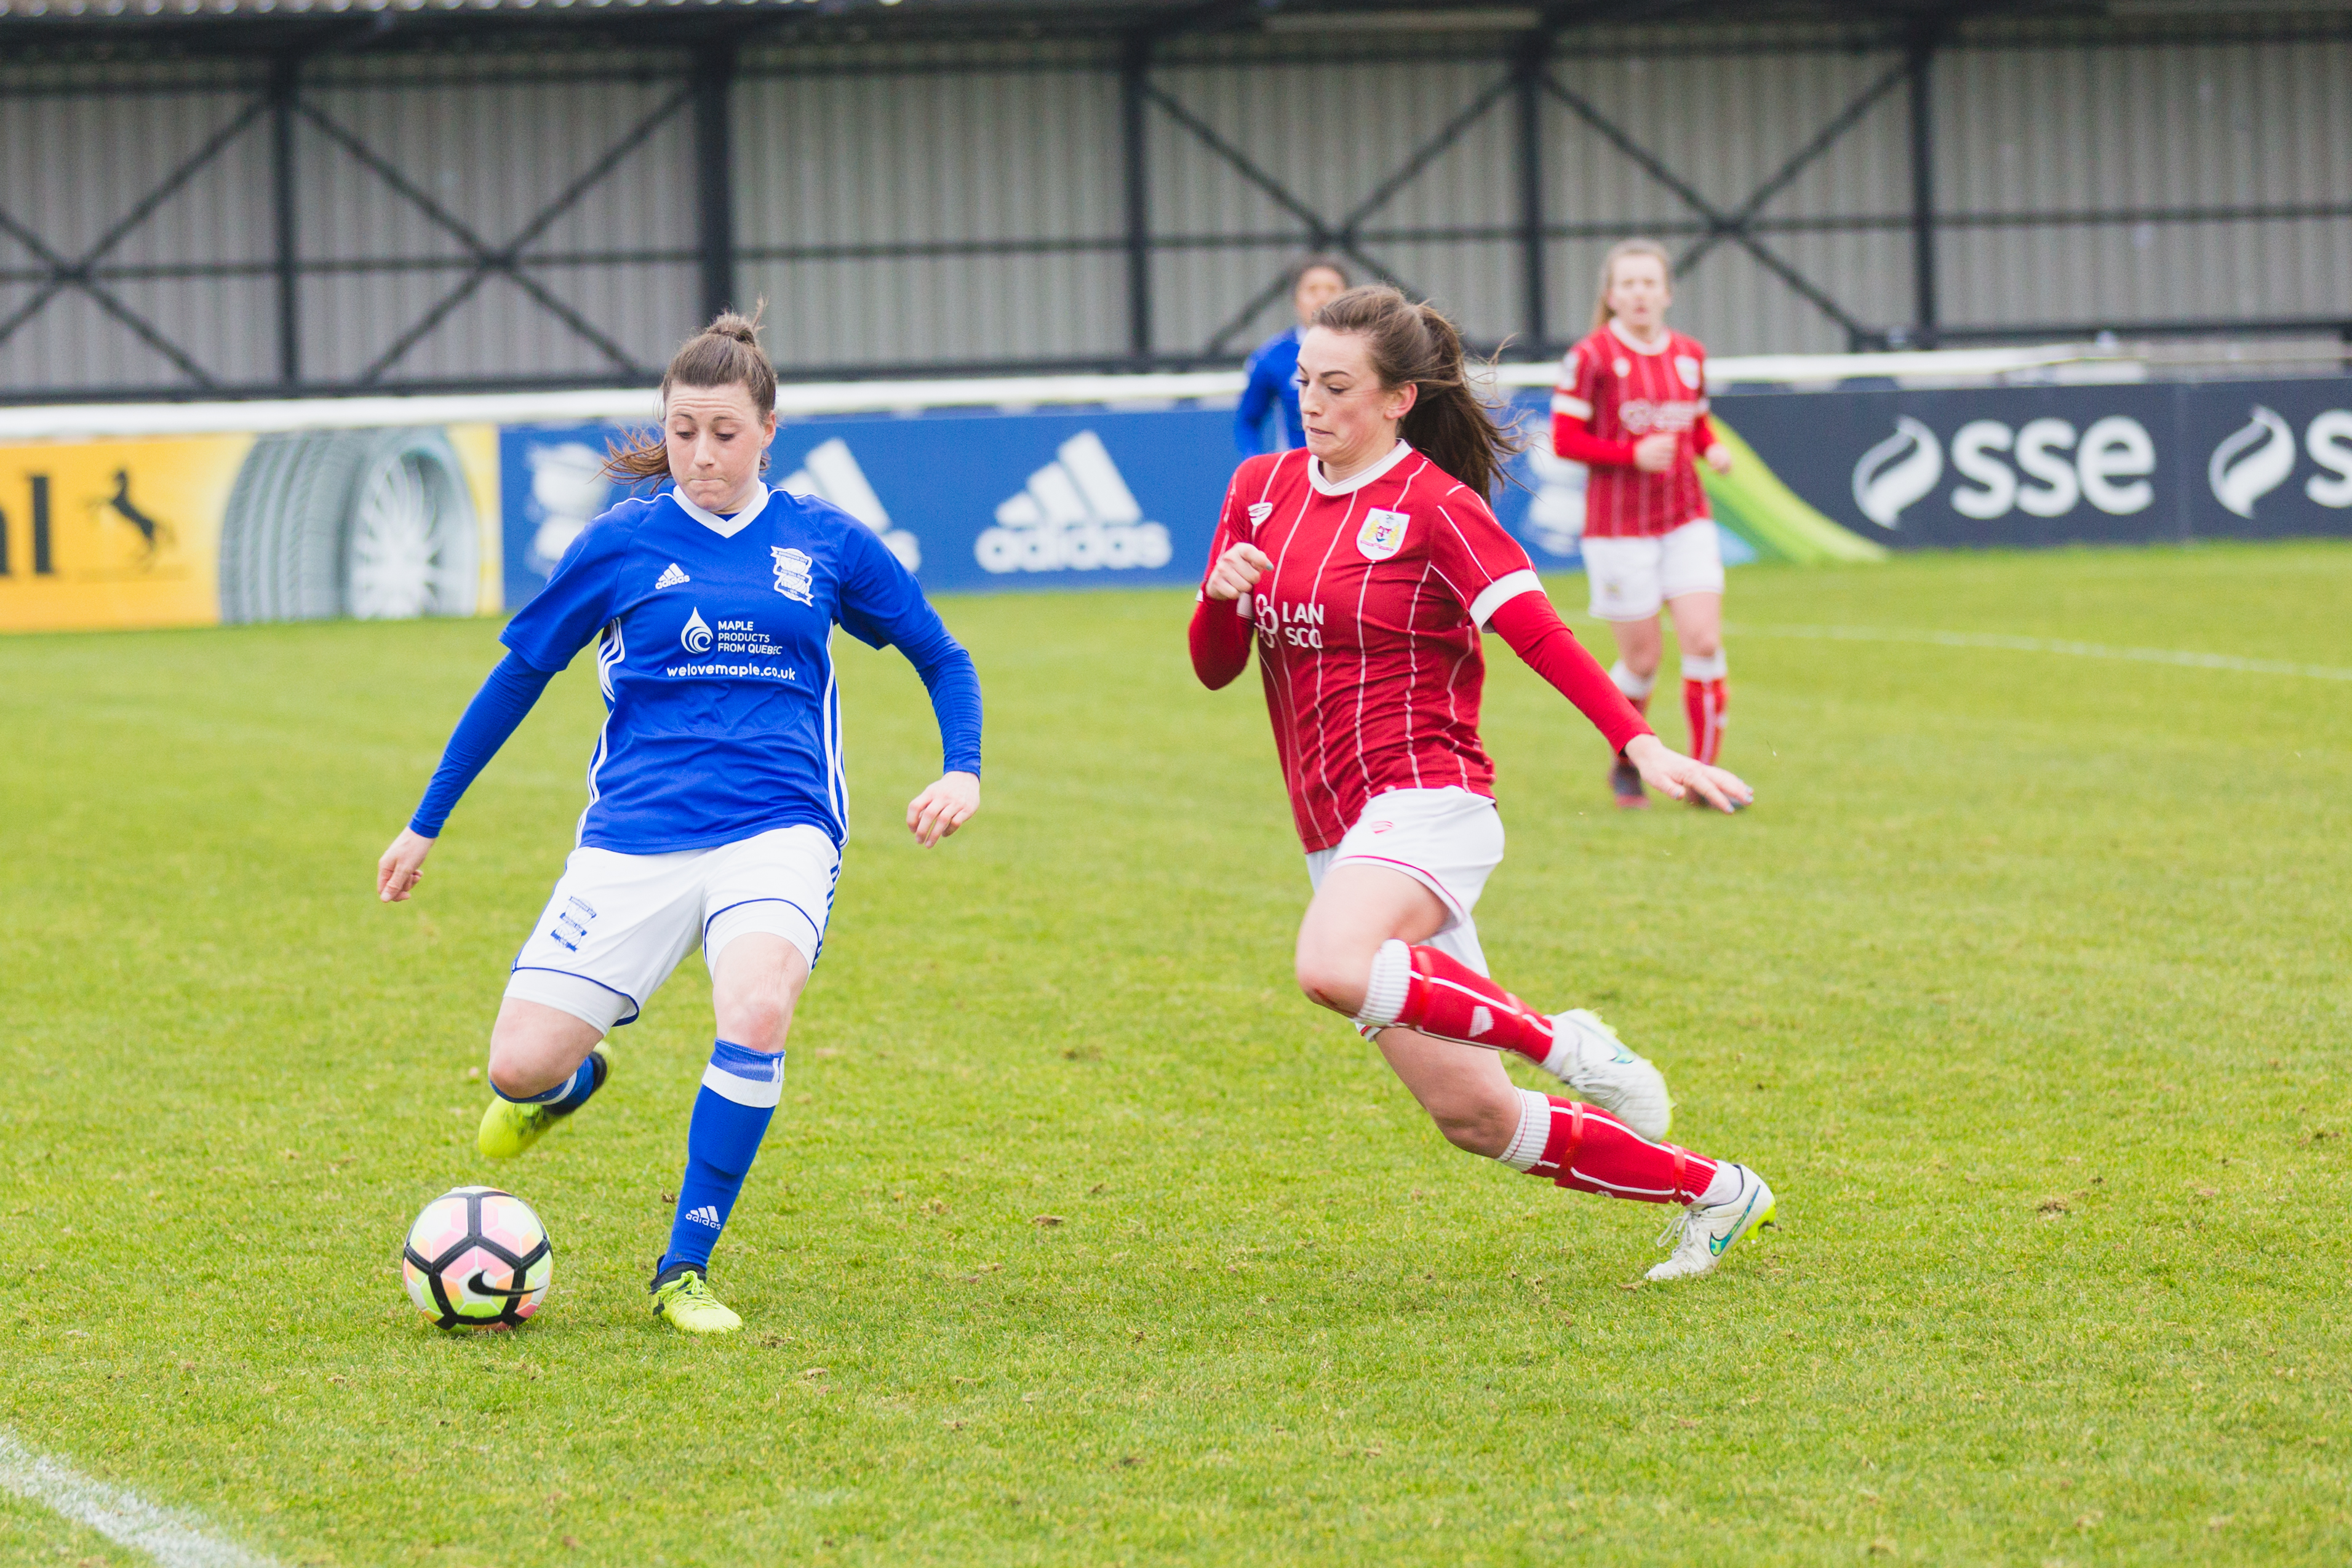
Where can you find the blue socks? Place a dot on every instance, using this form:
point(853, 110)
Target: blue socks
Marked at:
point(567, 1096)
point(740, 1091)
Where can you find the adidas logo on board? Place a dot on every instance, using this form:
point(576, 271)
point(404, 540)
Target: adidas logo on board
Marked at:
point(830, 473)
point(1075, 514)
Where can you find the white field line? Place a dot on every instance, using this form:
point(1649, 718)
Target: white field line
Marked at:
point(173, 1538)
point(2049, 645)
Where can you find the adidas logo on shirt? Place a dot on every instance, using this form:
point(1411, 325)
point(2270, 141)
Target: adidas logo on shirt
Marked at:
point(670, 578)
point(1075, 514)
point(830, 473)
point(705, 1215)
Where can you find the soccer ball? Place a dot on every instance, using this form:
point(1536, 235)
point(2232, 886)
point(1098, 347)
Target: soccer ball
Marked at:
point(476, 1258)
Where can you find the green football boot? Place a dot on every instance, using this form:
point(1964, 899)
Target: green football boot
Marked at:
point(681, 1295)
point(508, 1127)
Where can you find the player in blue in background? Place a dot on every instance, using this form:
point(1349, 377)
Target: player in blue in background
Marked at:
point(1273, 370)
point(715, 807)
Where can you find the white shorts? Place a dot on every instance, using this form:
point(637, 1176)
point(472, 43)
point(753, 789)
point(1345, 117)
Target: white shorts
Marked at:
point(1631, 578)
point(617, 925)
point(1449, 841)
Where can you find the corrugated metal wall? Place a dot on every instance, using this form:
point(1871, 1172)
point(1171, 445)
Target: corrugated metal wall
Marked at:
point(83, 154)
point(489, 160)
point(512, 217)
point(2124, 139)
point(1725, 129)
point(963, 216)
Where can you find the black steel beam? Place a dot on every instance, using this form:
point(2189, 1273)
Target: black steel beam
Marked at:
point(714, 169)
point(1134, 92)
point(284, 83)
point(1926, 313)
point(1527, 86)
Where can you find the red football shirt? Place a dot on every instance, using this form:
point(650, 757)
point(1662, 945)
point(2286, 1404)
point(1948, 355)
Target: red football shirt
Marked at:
point(1624, 393)
point(1368, 626)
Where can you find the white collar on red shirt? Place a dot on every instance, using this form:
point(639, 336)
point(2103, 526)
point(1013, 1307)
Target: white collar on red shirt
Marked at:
point(1617, 331)
point(1361, 476)
point(725, 528)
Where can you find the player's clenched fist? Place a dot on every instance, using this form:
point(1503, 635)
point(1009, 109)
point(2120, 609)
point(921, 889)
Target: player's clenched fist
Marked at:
point(943, 808)
point(1237, 571)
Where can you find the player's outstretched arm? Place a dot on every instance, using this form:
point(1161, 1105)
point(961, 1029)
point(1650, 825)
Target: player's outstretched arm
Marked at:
point(1678, 777)
point(403, 866)
point(943, 808)
point(512, 688)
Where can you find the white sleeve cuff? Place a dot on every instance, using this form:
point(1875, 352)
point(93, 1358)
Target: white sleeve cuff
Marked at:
point(1575, 407)
point(1501, 592)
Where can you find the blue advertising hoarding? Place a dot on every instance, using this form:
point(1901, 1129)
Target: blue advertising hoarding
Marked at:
point(2032, 466)
point(983, 500)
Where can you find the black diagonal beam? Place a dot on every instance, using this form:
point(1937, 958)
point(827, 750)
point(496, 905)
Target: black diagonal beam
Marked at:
point(1737, 221)
point(80, 271)
point(1717, 218)
point(1322, 233)
point(498, 260)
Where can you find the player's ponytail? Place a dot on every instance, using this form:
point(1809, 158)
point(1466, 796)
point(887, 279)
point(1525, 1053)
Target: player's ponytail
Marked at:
point(727, 353)
point(1449, 423)
point(1617, 253)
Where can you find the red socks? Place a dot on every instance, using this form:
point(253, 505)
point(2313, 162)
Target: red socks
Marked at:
point(1703, 704)
point(1592, 1151)
point(1446, 997)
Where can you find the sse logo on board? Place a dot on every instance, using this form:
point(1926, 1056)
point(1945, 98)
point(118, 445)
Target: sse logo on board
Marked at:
point(2047, 468)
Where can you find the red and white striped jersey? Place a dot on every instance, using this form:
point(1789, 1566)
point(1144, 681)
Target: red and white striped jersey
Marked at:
point(1623, 394)
point(1368, 626)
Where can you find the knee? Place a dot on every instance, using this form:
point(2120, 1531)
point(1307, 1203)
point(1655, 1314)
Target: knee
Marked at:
point(509, 1078)
point(1643, 660)
point(1478, 1128)
point(1331, 980)
point(757, 1018)
point(1704, 644)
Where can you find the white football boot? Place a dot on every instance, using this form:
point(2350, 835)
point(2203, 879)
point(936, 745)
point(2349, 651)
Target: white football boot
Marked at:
point(1587, 1056)
point(1701, 1234)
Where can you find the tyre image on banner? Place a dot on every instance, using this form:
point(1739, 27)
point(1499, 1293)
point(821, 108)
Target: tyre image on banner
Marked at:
point(375, 524)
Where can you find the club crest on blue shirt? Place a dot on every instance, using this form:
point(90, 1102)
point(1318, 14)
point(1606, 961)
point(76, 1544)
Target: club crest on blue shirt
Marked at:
point(791, 573)
point(1382, 534)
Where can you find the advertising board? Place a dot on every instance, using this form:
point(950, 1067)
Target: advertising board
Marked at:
point(392, 507)
point(202, 529)
point(2022, 466)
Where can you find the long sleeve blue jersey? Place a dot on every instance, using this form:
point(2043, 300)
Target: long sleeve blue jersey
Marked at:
point(713, 649)
point(1273, 379)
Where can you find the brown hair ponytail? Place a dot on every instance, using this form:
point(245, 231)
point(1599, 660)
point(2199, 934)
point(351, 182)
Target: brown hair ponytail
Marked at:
point(727, 353)
point(1449, 423)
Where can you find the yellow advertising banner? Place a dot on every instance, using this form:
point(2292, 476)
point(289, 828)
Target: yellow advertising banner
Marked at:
point(193, 530)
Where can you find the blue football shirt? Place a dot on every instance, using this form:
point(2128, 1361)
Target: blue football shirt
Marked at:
point(713, 648)
point(1272, 382)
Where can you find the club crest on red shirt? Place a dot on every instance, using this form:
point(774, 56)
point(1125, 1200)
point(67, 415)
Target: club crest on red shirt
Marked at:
point(1382, 534)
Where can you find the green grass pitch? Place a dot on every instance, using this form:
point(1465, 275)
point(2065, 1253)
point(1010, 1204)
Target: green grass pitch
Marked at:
point(2025, 983)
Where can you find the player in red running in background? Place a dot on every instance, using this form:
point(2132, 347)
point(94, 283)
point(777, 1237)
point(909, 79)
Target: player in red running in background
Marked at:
point(1631, 406)
point(1363, 568)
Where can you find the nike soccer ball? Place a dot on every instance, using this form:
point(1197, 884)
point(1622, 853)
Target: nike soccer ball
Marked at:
point(476, 1258)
